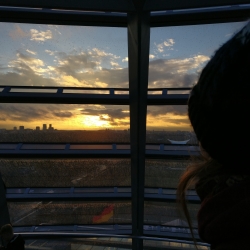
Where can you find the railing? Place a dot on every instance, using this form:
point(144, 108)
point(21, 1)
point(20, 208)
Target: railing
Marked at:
point(92, 150)
point(100, 193)
point(74, 95)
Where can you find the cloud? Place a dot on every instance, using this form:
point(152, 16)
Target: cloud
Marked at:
point(175, 72)
point(23, 112)
point(51, 53)
point(17, 32)
point(26, 62)
point(70, 69)
point(114, 64)
point(26, 71)
point(168, 43)
point(168, 117)
point(31, 52)
point(82, 68)
point(72, 64)
point(177, 110)
point(40, 36)
point(36, 112)
point(113, 113)
point(125, 59)
point(151, 56)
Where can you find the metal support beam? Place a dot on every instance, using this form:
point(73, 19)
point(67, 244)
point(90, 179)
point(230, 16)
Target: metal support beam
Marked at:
point(200, 16)
point(93, 5)
point(138, 52)
point(60, 17)
point(158, 5)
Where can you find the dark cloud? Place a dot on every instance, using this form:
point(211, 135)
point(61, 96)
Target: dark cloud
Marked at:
point(33, 112)
point(116, 113)
point(26, 77)
point(71, 64)
point(176, 121)
point(120, 123)
point(25, 57)
point(22, 74)
point(65, 114)
point(23, 112)
point(163, 110)
point(175, 72)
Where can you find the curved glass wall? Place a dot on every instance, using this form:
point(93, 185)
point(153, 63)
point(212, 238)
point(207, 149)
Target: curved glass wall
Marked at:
point(51, 173)
point(69, 213)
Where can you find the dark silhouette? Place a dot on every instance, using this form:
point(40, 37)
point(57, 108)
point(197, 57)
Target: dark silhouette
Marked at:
point(218, 106)
point(9, 240)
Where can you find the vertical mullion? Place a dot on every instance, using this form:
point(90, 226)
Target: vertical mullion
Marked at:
point(138, 54)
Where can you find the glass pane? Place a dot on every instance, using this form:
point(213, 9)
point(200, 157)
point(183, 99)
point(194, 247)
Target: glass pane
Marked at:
point(169, 124)
point(66, 56)
point(164, 173)
point(66, 123)
point(72, 212)
point(177, 54)
point(66, 172)
point(168, 214)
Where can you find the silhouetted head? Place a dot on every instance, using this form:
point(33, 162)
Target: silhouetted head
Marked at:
point(219, 104)
point(6, 232)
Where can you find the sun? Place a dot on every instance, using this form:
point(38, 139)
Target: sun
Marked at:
point(94, 121)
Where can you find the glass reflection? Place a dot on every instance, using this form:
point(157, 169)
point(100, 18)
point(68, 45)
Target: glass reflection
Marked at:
point(164, 173)
point(168, 214)
point(66, 213)
point(66, 172)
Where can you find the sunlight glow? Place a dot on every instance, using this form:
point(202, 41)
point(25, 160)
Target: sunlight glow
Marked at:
point(90, 121)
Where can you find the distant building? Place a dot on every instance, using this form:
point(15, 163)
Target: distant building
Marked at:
point(44, 126)
point(37, 128)
point(21, 127)
point(50, 127)
point(15, 128)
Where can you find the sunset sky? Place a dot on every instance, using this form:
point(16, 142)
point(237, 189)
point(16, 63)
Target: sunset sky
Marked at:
point(51, 55)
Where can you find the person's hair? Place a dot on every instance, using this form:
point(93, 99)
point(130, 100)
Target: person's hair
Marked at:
point(217, 108)
point(6, 229)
